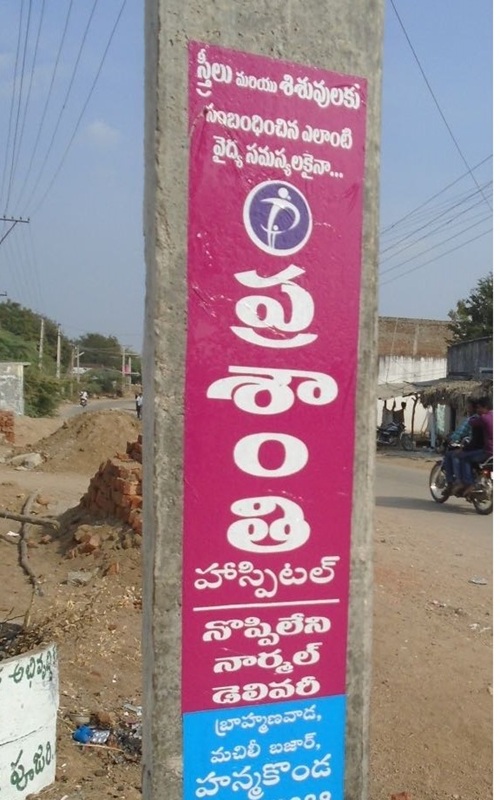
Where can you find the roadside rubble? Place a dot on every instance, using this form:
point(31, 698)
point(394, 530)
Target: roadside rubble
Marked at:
point(122, 738)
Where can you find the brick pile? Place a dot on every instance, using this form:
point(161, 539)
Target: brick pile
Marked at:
point(116, 489)
point(7, 427)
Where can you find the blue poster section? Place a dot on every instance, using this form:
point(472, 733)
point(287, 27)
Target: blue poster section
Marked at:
point(278, 751)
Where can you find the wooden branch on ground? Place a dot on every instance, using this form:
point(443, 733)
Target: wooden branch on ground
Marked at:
point(32, 520)
point(23, 550)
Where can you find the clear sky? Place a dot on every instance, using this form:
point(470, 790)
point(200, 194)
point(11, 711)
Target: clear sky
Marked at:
point(71, 158)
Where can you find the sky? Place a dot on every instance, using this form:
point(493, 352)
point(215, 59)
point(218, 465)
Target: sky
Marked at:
point(71, 159)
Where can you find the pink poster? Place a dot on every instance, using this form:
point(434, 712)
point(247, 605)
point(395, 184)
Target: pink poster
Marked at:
point(276, 160)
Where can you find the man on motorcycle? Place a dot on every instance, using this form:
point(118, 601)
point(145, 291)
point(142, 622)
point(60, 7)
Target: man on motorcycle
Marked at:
point(479, 449)
point(464, 431)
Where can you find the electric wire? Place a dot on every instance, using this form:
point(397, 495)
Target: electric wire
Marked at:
point(6, 271)
point(440, 110)
point(37, 269)
point(64, 103)
point(75, 130)
point(447, 223)
point(47, 101)
point(436, 246)
point(421, 266)
point(20, 97)
point(20, 263)
point(408, 232)
point(18, 268)
point(463, 218)
point(434, 218)
point(411, 223)
point(30, 87)
point(434, 196)
point(12, 103)
point(28, 254)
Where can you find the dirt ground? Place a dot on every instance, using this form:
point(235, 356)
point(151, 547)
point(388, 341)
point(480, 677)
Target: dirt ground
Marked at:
point(431, 712)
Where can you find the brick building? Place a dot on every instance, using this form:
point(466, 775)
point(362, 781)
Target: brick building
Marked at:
point(410, 351)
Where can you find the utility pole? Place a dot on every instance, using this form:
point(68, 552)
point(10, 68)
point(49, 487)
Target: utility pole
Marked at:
point(58, 353)
point(40, 346)
point(257, 69)
point(78, 356)
point(124, 355)
point(14, 222)
point(72, 370)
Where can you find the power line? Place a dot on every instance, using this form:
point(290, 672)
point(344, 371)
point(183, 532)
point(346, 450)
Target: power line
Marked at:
point(452, 250)
point(61, 163)
point(434, 218)
point(32, 73)
point(14, 272)
point(435, 246)
point(441, 113)
point(64, 103)
point(31, 265)
point(12, 99)
point(447, 222)
point(433, 197)
point(47, 100)
point(18, 113)
point(409, 228)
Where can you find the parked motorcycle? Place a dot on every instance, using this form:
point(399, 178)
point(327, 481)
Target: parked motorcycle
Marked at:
point(394, 434)
point(481, 497)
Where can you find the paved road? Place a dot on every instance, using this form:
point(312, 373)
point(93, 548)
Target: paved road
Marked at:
point(404, 487)
point(97, 405)
point(449, 539)
point(431, 711)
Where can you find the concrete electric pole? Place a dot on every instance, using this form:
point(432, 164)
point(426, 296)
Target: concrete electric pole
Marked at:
point(40, 346)
point(58, 353)
point(262, 152)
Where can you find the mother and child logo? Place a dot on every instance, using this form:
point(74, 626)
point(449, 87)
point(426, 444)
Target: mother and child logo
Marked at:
point(277, 218)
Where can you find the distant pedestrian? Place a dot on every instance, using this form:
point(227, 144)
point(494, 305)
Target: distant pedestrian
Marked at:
point(398, 415)
point(138, 405)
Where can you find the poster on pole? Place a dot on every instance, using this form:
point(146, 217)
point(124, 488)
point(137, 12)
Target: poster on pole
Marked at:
point(276, 179)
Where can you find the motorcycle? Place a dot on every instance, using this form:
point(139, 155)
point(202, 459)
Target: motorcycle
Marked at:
point(394, 434)
point(83, 401)
point(482, 496)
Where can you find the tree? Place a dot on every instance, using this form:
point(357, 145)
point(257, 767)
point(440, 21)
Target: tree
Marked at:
point(24, 324)
point(473, 316)
point(106, 352)
point(100, 351)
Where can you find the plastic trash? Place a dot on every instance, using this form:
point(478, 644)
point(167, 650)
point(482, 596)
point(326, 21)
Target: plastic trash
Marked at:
point(83, 734)
point(86, 735)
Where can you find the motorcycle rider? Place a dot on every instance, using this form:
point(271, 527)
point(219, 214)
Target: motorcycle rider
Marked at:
point(84, 397)
point(398, 415)
point(479, 449)
point(464, 431)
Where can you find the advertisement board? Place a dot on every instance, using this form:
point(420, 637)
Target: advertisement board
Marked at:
point(276, 171)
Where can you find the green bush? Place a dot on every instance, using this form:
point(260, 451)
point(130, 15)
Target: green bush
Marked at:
point(41, 393)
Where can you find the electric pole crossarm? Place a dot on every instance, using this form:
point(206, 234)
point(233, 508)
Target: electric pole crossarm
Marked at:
point(14, 223)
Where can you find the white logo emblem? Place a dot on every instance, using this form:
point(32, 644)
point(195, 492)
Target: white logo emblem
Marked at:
point(277, 218)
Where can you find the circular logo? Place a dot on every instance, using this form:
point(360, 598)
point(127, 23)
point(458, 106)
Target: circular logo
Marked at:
point(277, 218)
